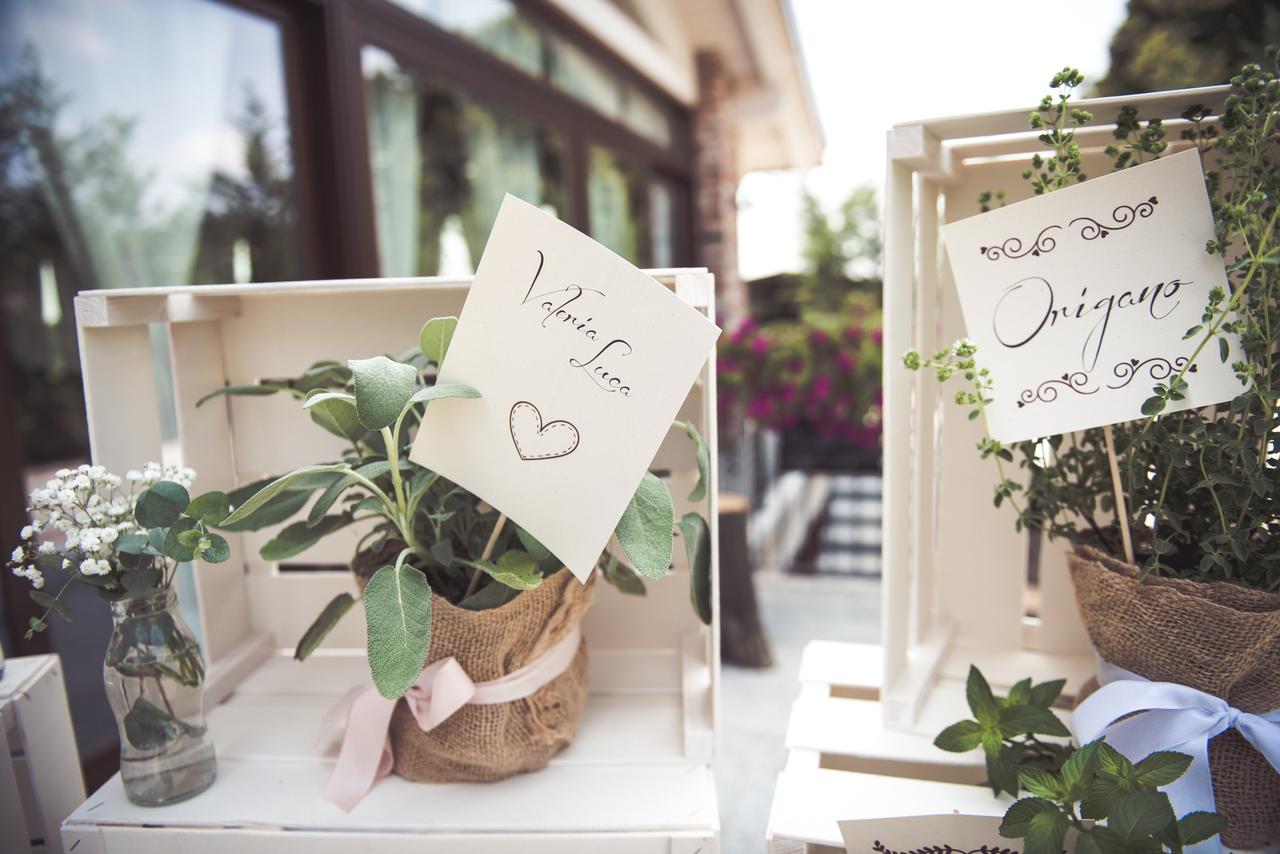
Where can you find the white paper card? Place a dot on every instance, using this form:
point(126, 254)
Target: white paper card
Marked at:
point(582, 362)
point(1078, 300)
point(939, 833)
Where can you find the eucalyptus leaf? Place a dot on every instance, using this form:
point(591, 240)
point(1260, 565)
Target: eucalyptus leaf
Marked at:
point(161, 504)
point(319, 629)
point(436, 337)
point(216, 549)
point(383, 388)
point(397, 610)
point(141, 580)
point(44, 600)
point(645, 529)
point(173, 545)
point(210, 508)
point(697, 546)
point(131, 543)
point(148, 727)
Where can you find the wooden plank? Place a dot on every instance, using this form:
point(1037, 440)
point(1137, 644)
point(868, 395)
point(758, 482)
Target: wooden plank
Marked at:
point(851, 670)
point(164, 840)
point(560, 799)
point(929, 398)
point(120, 396)
point(34, 695)
point(807, 804)
point(205, 444)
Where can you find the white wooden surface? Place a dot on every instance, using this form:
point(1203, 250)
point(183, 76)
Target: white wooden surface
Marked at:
point(40, 782)
point(640, 767)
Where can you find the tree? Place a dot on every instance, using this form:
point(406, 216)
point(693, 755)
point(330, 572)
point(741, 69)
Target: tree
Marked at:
point(1177, 44)
point(841, 253)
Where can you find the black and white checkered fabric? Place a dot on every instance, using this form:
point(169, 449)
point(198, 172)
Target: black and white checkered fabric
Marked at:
point(849, 532)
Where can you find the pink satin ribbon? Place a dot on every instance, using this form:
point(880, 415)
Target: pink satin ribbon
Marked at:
point(441, 690)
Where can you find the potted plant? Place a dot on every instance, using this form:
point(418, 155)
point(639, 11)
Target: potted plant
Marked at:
point(125, 537)
point(443, 576)
point(1200, 608)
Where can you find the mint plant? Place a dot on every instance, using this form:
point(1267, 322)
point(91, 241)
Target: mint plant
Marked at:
point(428, 534)
point(1199, 485)
point(1112, 804)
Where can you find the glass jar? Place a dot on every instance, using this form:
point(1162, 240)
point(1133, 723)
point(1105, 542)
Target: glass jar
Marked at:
point(154, 674)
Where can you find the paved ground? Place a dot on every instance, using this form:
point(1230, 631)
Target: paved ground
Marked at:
point(755, 703)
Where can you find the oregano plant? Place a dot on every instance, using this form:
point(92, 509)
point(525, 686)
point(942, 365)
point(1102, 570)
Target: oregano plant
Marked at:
point(1200, 485)
point(422, 534)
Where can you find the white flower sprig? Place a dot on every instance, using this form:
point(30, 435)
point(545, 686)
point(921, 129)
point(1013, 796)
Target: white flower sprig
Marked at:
point(95, 515)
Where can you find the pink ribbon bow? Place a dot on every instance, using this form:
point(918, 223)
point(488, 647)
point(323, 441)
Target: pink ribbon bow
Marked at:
point(441, 690)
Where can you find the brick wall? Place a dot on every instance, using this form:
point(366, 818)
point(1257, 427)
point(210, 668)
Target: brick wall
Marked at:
point(715, 189)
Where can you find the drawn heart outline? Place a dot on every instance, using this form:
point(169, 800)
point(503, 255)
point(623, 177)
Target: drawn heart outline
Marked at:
point(535, 440)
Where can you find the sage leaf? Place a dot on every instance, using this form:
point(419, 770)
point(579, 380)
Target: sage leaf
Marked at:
point(397, 613)
point(383, 388)
point(488, 597)
point(531, 545)
point(319, 629)
point(335, 412)
point(300, 536)
point(697, 546)
point(443, 390)
point(436, 336)
point(255, 390)
point(623, 578)
point(210, 508)
point(161, 504)
point(279, 485)
point(703, 455)
point(515, 569)
point(442, 551)
point(644, 531)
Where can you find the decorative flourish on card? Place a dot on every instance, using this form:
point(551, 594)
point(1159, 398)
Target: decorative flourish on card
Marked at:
point(1047, 391)
point(944, 848)
point(1157, 367)
point(1011, 247)
point(1122, 216)
point(535, 440)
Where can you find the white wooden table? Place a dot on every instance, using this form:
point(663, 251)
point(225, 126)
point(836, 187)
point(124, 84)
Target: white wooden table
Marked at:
point(40, 782)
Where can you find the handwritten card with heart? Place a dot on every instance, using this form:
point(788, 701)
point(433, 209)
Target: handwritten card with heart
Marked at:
point(582, 362)
point(1079, 300)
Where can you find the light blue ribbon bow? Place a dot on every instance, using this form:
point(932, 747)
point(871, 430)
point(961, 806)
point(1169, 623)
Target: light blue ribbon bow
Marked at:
point(1171, 717)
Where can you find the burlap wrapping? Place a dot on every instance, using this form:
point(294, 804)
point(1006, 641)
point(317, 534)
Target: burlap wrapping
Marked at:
point(1219, 638)
point(483, 743)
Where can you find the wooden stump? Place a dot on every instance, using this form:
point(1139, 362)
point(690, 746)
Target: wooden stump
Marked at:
point(742, 639)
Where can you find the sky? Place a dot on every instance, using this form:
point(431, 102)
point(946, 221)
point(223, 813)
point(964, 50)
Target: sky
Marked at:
point(873, 64)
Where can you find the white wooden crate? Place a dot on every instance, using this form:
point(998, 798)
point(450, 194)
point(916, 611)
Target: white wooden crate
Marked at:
point(956, 586)
point(40, 782)
point(638, 777)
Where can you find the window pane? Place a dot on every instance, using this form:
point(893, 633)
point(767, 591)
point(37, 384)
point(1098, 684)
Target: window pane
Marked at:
point(441, 165)
point(504, 28)
point(662, 225)
point(142, 142)
point(618, 202)
point(494, 24)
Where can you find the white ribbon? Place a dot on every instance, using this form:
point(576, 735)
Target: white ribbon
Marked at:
point(1169, 716)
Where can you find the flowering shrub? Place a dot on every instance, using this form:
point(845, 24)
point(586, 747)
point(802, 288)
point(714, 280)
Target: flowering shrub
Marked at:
point(123, 536)
point(819, 375)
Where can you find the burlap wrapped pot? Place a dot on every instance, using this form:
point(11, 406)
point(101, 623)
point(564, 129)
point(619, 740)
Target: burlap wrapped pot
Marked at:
point(1219, 638)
